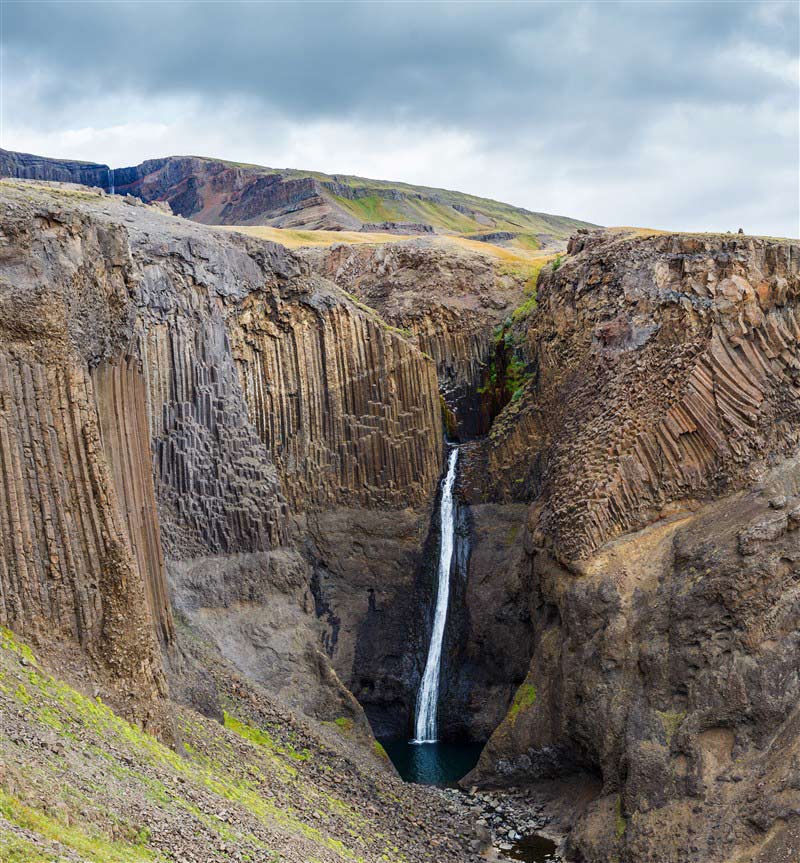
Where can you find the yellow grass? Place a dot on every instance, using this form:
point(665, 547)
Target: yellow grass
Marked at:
point(513, 258)
point(295, 238)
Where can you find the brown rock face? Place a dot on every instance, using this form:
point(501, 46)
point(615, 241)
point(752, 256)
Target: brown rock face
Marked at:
point(665, 368)
point(263, 392)
point(448, 301)
point(349, 411)
point(80, 556)
point(659, 437)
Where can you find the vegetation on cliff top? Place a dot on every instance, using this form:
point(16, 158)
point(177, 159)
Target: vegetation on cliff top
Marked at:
point(389, 200)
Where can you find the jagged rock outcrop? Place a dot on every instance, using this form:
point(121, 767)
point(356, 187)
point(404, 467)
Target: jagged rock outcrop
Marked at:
point(658, 440)
point(397, 228)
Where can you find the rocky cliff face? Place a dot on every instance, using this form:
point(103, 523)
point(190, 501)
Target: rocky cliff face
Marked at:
point(80, 551)
point(25, 166)
point(448, 300)
point(264, 393)
point(658, 437)
point(221, 193)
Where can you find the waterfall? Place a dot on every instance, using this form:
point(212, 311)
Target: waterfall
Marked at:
point(110, 180)
point(425, 728)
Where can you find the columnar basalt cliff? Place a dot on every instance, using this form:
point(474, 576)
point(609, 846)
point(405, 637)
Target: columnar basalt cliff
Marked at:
point(448, 300)
point(658, 437)
point(266, 395)
point(348, 410)
point(80, 563)
point(168, 397)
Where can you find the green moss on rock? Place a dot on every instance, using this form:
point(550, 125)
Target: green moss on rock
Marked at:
point(523, 700)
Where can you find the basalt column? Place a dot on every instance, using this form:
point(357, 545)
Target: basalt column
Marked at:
point(350, 411)
point(76, 574)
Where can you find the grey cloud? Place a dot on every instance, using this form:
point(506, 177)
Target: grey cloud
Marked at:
point(461, 62)
point(575, 84)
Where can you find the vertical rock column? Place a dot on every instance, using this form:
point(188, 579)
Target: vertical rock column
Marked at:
point(120, 394)
point(66, 568)
point(348, 409)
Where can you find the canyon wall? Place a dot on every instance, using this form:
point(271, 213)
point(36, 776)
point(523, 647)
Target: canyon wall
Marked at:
point(134, 486)
point(449, 301)
point(658, 438)
point(287, 425)
point(81, 571)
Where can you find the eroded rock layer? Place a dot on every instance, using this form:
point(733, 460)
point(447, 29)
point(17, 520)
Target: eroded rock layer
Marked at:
point(658, 439)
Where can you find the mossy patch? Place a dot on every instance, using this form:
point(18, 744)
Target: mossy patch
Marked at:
point(523, 700)
point(620, 822)
point(448, 418)
point(344, 724)
point(130, 755)
point(96, 848)
point(671, 721)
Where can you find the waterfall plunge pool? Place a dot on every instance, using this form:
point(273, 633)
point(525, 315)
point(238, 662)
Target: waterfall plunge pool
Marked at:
point(438, 763)
point(426, 760)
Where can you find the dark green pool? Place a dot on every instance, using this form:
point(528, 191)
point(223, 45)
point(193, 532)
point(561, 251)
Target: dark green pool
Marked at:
point(533, 849)
point(432, 763)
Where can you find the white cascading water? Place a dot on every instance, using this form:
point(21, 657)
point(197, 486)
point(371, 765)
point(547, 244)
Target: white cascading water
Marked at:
point(425, 728)
point(110, 181)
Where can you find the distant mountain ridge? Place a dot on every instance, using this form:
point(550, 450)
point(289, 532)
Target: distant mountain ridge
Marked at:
point(213, 191)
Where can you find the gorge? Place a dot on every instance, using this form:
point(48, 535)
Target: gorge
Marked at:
point(261, 507)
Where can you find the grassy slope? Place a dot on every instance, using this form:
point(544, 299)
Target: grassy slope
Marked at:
point(78, 783)
point(429, 205)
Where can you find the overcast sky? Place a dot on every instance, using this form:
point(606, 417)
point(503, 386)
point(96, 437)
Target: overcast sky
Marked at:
point(673, 115)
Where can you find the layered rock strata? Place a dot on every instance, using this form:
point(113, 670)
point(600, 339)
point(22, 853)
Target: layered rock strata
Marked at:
point(229, 193)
